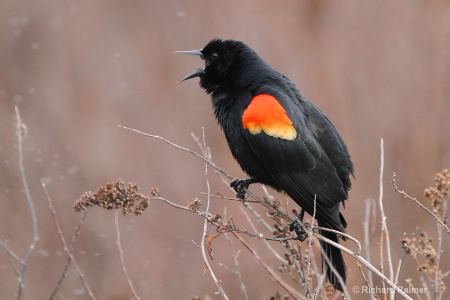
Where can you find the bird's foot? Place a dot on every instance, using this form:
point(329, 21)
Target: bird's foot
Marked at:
point(299, 231)
point(240, 186)
point(295, 225)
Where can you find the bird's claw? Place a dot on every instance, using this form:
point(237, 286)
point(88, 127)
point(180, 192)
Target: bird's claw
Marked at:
point(301, 233)
point(240, 186)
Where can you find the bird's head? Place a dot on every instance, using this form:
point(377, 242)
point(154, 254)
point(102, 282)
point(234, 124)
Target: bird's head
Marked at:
point(223, 59)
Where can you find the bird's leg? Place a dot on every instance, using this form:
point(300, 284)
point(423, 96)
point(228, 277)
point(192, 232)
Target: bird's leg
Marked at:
point(295, 225)
point(240, 185)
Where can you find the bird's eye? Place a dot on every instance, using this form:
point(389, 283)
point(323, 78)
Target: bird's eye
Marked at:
point(214, 55)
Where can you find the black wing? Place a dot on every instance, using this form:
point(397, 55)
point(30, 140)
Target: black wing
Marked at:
point(301, 167)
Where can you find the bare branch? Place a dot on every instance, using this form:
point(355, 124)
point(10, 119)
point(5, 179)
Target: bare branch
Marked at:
point(290, 290)
point(63, 240)
point(360, 259)
point(122, 259)
point(271, 249)
point(11, 253)
point(205, 159)
point(72, 249)
point(384, 227)
point(437, 287)
point(205, 231)
point(237, 271)
point(394, 176)
point(369, 279)
point(20, 131)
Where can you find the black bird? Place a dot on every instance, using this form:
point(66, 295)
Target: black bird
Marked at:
point(279, 138)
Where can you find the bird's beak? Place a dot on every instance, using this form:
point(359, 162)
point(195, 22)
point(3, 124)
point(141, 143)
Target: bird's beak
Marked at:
point(191, 52)
point(198, 72)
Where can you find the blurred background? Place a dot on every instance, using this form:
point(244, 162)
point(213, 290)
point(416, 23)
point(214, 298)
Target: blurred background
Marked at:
point(77, 69)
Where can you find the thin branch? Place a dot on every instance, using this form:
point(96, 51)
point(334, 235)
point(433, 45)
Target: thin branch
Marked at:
point(63, 240)
point(384, 227)
point(394, 176)
point(237, 271)
point(11, 253)
point(397, 273)
point(425, 287)
point(20, 131)
point(310, 238)
point(271, 249)
point(336, 273)
point(259, 218)
point(437, 287)
point(11, 256)
point(122, 259)
point(290, 290)
point(219, 196)
point(205, 231)
point(372, 295)
point(347, 236)
point(207, 216)
point(366, 264)
point(369, 279)
point(72, 249)
point(206, 160)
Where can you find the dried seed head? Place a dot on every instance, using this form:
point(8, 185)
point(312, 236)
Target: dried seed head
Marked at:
point(114, 195)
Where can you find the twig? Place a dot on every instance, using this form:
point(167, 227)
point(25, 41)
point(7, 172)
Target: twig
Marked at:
point(237, 271)
point(206, 160)
point(63, 240)
point(384, 227)
point(205, 231)
point(271, 249)
point(122, 259)
point(72, 249)
point(207, 216)
point(259, 218)
point(21, 129)
point(372, 295)
point(290, 290)
point(310, 238)
point(219, 196)
point(425, 287)
point(346, 235)
point(437, 287)
point(336, 273)
point(369, 279)
point(394, 176)
point(11, 253)
point(366, 264)
point(397, 273)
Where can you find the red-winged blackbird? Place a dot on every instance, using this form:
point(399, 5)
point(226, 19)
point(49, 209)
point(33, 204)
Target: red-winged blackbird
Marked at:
point(279, 138)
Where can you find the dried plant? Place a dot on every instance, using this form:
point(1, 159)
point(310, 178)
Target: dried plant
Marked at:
point(422, 250)
point(114, 195)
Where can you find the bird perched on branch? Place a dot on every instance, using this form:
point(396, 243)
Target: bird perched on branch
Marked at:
point(279, 139)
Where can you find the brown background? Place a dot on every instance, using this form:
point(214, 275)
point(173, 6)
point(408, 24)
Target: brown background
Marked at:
point(76, 69)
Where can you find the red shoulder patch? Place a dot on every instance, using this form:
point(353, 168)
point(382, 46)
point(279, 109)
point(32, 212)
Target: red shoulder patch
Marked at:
point(265, 113)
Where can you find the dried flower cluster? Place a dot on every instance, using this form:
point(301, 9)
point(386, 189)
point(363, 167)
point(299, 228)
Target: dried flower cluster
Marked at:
point(114, 195)
point(437, 195)
point(422, 246)
point(195, 204)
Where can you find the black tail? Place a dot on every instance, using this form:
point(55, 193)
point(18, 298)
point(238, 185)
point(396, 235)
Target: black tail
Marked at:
point(334, 255)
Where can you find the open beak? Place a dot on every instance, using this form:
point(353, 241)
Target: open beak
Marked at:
point(198, 72)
